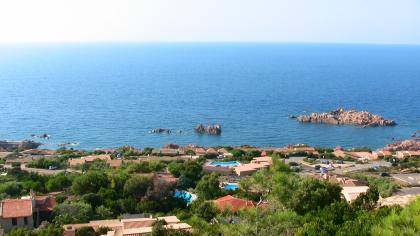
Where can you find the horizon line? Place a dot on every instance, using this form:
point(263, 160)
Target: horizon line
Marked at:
point(203, 42)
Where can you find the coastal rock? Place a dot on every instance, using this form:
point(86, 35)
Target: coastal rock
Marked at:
point(341, 117)
point(405, 145)
point(211, 129)
point(13, 145)
point(160, 131)
point(171, 146)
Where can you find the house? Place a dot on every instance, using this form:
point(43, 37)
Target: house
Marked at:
point(265, 160)
point(114, 163)
point(297, 148)
point(256, 164)
point(224, 152)
point(89, 159)
point(379, 154)
point(356, 155)
point(27, 212)
point(350, 193)
point(249, 169)
point(168, 151)
point(200, 151)
point(129, 227)
point(212, 151)
point(233, 204)
point(405, 154)
point(16, 213)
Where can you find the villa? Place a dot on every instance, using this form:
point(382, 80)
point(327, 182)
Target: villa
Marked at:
point(129, 227)
point(224, 152)
point(26, 212)
point(232, 203)
point(89, 159)
point(339, 152)
point(405, 154)
point(258, 163)
point(381, 154)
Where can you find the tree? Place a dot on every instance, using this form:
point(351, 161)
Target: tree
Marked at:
point(405, 222)
point(208, 187)
point(142, 167)
point(176, 168)
point(11, 188)
point(192, 170)
point(204, 209)
point(304, 194)
point(89, 182)
point(368, 200)
point(138, 185)
point(58, 182)
point(70, 213)
point(103, 213)
point(86, 231)
point(93, 199)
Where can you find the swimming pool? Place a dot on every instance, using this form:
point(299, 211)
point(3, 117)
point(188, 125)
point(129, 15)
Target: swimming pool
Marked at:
point(231, 186)
point(225, 163)
point(186, 196)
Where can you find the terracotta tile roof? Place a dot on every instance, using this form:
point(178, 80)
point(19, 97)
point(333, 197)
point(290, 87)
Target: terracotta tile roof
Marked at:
point(91, 158)
point(13, 208)
point(211, 151)
point(266, 159)
point(114, 163)
point(200, 151)
point(45, 203)
point(232, 203)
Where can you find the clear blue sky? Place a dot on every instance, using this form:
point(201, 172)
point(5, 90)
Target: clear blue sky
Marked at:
point(341, 21)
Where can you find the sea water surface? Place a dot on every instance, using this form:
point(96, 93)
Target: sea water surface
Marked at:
point(107, 95)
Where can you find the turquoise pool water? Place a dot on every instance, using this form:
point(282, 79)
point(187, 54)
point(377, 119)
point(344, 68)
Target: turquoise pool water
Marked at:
point(231, 186)
point(225, 163)
point(188, 197)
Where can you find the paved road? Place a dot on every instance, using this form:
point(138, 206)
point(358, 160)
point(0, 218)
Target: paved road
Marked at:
point(406, 191)
point(409, 178)
point(366, 166)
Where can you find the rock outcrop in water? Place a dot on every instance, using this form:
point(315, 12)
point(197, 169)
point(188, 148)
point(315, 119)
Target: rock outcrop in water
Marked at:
point(160, 131)
point(405, 145)
point(342, 117)
point(211, 129)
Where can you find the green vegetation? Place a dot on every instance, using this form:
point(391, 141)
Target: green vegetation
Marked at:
point(46, 163)
point(385, 185)
point(361, 149)
point(286, 203)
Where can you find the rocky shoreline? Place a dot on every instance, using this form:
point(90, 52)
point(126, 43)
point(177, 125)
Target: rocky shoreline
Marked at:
point(24, 145)
point(346, 117)
point(408, 145)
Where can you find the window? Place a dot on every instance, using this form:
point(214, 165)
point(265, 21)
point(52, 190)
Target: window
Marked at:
point(14, 221)
point(25, 220)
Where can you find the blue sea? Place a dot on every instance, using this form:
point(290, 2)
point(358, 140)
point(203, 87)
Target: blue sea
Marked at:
point(108, 95)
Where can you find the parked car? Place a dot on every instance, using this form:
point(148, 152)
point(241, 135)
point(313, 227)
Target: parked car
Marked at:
point(384, 174)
